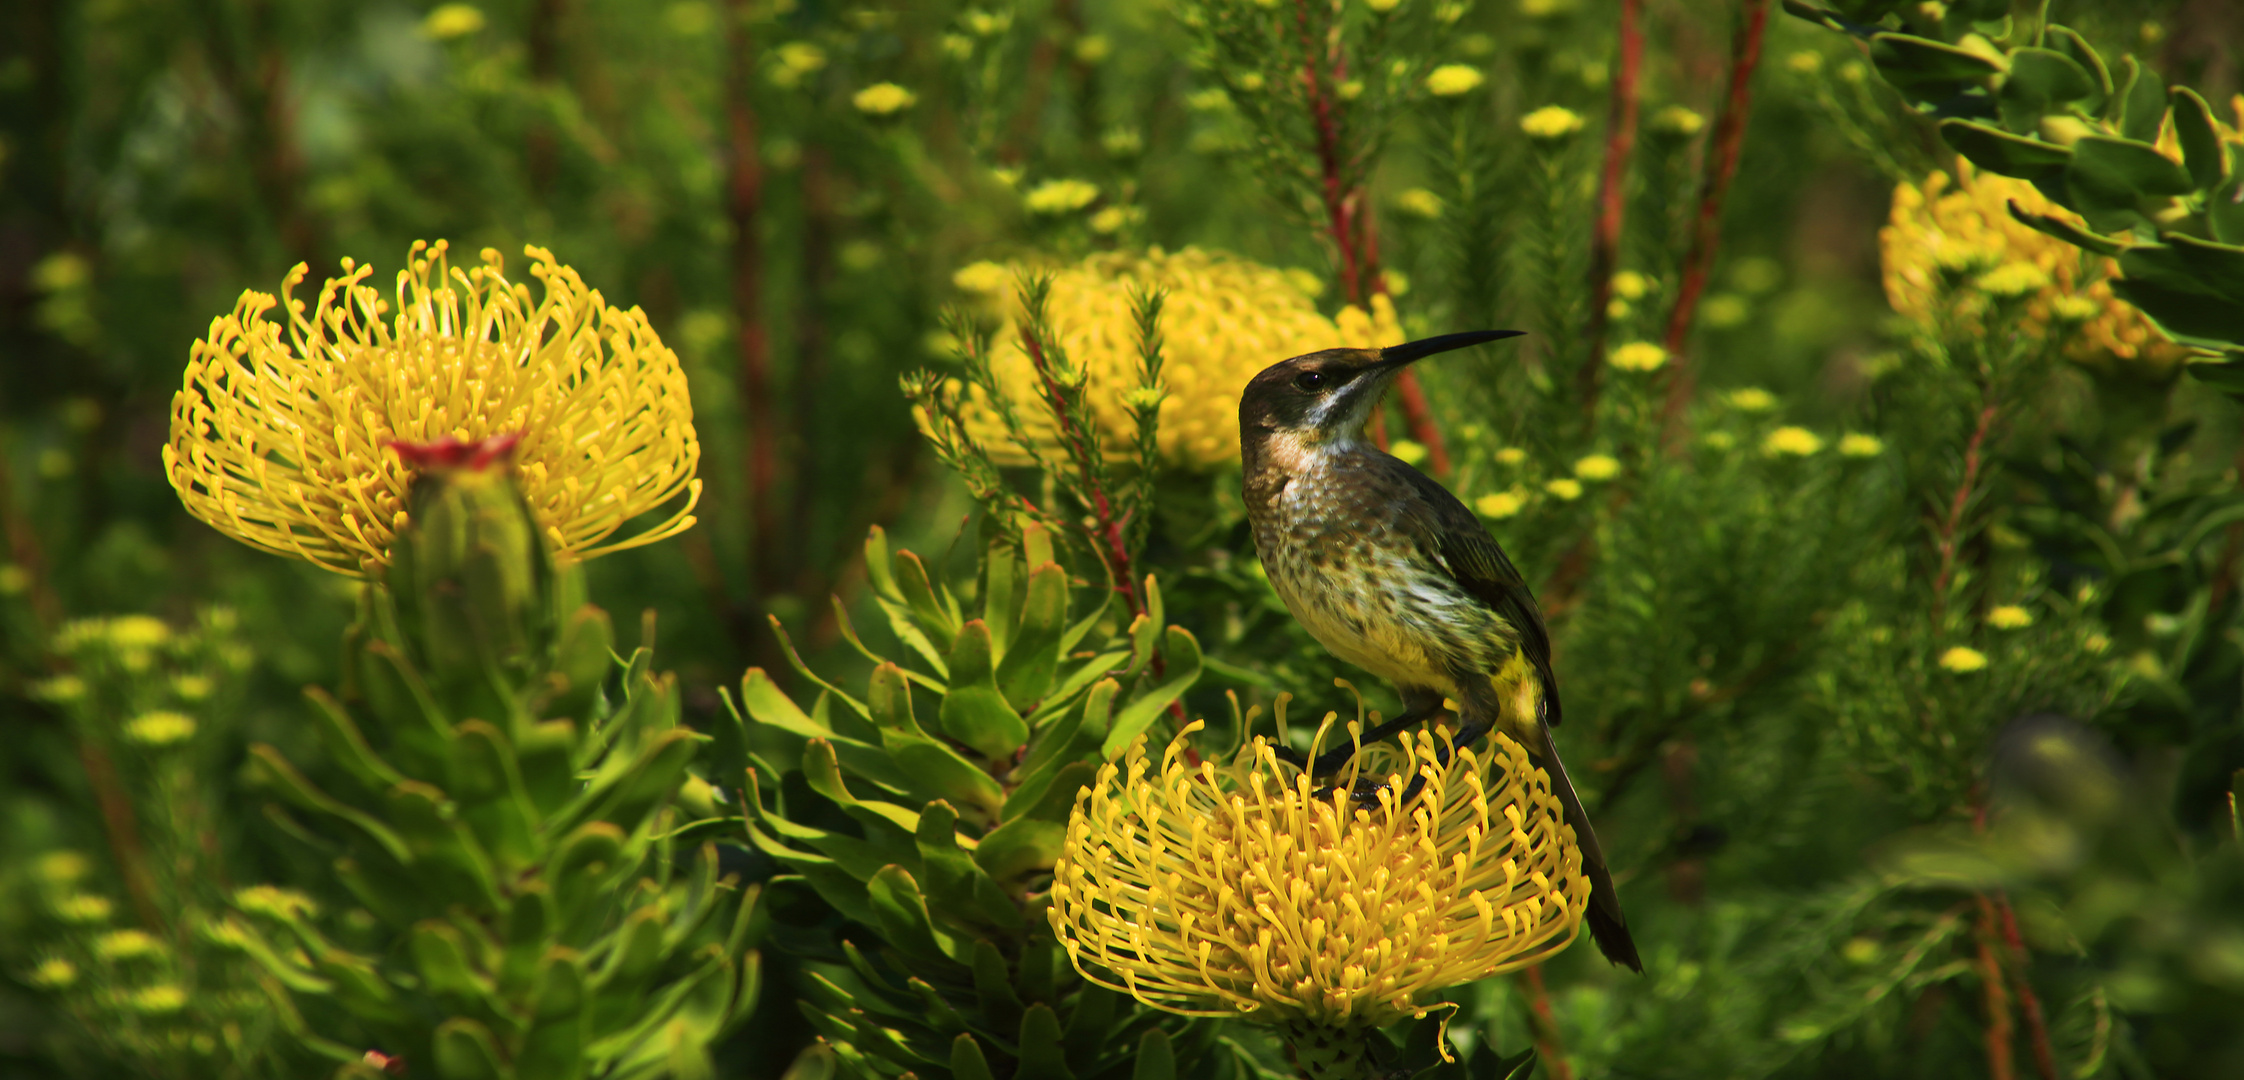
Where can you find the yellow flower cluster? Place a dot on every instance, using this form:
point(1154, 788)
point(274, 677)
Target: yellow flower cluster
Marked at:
point(285, 444)
point(1233, 889)
point(1225, 319)
point(1962, 223)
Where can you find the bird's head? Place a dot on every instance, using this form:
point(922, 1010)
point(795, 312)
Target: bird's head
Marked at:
point(1328, 395)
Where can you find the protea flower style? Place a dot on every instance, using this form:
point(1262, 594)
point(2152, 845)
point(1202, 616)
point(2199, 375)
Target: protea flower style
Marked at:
point(1241, 890)
point(284, 444)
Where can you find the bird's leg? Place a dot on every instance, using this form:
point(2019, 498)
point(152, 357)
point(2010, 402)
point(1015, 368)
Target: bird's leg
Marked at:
point(1366, 792)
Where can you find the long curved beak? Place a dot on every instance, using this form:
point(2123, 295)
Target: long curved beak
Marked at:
point(1395, 356)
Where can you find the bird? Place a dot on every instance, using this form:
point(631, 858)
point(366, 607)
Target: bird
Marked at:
point(1391, 573)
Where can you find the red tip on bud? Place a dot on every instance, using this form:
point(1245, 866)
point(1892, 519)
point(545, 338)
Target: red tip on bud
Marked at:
point(450, 453)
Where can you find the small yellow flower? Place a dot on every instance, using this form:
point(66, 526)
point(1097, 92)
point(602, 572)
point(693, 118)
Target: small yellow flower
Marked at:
point(2097, 644)
point(59, 689)
point(137, 632)
point(84, 909)
point(1805, 62)
point(274, 902)
point(2010, 617)
point(1963, 658)
point(1638, 356)
point(1791, 442)
point(1677, 122)
point(1054, 197)
point(883, 99)
point(1719, 440)
point(285, 445)
point(1725, 310)
point(162, 999)
point(1499, 505)
point(1855, 444)
point(1454, 80)
point(1597, 467)
point(1114, 219)
point(1551, 123)
point(450, 21)
point(126, 945)
point(61, 867)
point(1630, 285)
point(1408, 451)
point(1093, 48)
point(1231, 890)
point(1420, 203)
point(192, 687)
point(160, 728)
point(986, 278)
point(1511, 456)
point(14, 580)
point(1382, 7)
point(1752, 399)
point(798, 60)
point(54, 973)
point(1565, 489)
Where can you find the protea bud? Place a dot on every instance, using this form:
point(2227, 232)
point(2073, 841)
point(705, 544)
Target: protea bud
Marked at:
point(471, 575)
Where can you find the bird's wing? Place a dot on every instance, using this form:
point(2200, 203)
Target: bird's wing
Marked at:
point(1481, 567)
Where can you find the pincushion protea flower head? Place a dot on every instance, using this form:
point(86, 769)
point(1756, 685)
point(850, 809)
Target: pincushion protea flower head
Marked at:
point(1234, 890)
point(285, 444)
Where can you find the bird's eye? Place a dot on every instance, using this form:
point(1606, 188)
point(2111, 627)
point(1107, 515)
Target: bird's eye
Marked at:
point(1311, 381)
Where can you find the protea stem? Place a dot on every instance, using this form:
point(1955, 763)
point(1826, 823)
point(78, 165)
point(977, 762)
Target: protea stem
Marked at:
point(1328, 1053)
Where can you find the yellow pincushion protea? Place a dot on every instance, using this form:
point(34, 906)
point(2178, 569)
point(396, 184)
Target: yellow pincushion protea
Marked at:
point(1962, 224)
point(1232, 890)
point(285, 444)
point(1225, 319)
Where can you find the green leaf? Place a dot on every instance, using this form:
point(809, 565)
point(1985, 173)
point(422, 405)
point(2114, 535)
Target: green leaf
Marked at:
point(269, 768)
point(2002, 152)
point(2224, 208)
point(876, 565)
point(1030, 842)
point(1001, 599)
point(967, 1062)
point(2065, 230)
point(583, 660)
point(931, 769)
point(1181, 657)
point(2188, 265)
point(974, 712)
point(956, 885)
point(1043, 1057)
point(1090, 1023)
point(937, 619)
point(1156, 1057)
point(767, 705)
point(2202, 151)
point(2142, 103)
point(1066, 743)
point(1032, 660)
point(1928, 68)
point(440, 955)
point(2041, 81)
point(993, 987)
point(494, 802)
point(2226, 376)
point(2123, 172)
point(528, 932)
point(822, 771)
point(346, 744)
point(2189, 316)
point(900, 914)
point(2066, 41)
point(582, 866)
point(465, 1050)
point(545, 754)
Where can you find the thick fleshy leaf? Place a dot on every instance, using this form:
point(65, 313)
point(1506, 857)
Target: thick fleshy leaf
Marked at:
point(1156, 1058)
point(957, 887)
point(931, 612)
point(1032, 660)
point(931, 769)
point(2001, 152)
point(2122, 173)
point(2065, 230)
point(2065, 40)
point(822, 771)
point(465, 1050)
point(993, 988)
point(270, 768)
point(440, 955)
point(1029, 843)
point(2142, 104)
point(1043, 1055)
point(900, 913)
point(1070, 741)
point(2041, 81)
point(1928, 68)
point(975, 712)
point(967, 1062)
point(2202, 152)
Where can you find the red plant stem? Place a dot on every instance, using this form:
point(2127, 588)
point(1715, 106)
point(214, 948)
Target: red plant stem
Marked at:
point(1348, 220)
point(1107, 528)
point(1612, 201)
point(1706, 232)
point(2029, 1003)
point(1999, 1052)
point(1547, 1045)
point(1957, 504)
point(745, 201)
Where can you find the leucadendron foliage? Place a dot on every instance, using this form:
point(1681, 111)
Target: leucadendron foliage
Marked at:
point(929, 807)
point(521, 896)
point(2157, 178)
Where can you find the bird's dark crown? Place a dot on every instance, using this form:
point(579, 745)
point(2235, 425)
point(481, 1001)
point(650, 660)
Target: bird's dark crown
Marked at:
point(1331, 392)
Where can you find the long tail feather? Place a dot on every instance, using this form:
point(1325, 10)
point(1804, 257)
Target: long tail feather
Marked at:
point(1608, 927)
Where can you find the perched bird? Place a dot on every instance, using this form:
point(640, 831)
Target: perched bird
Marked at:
point(1391, 573)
